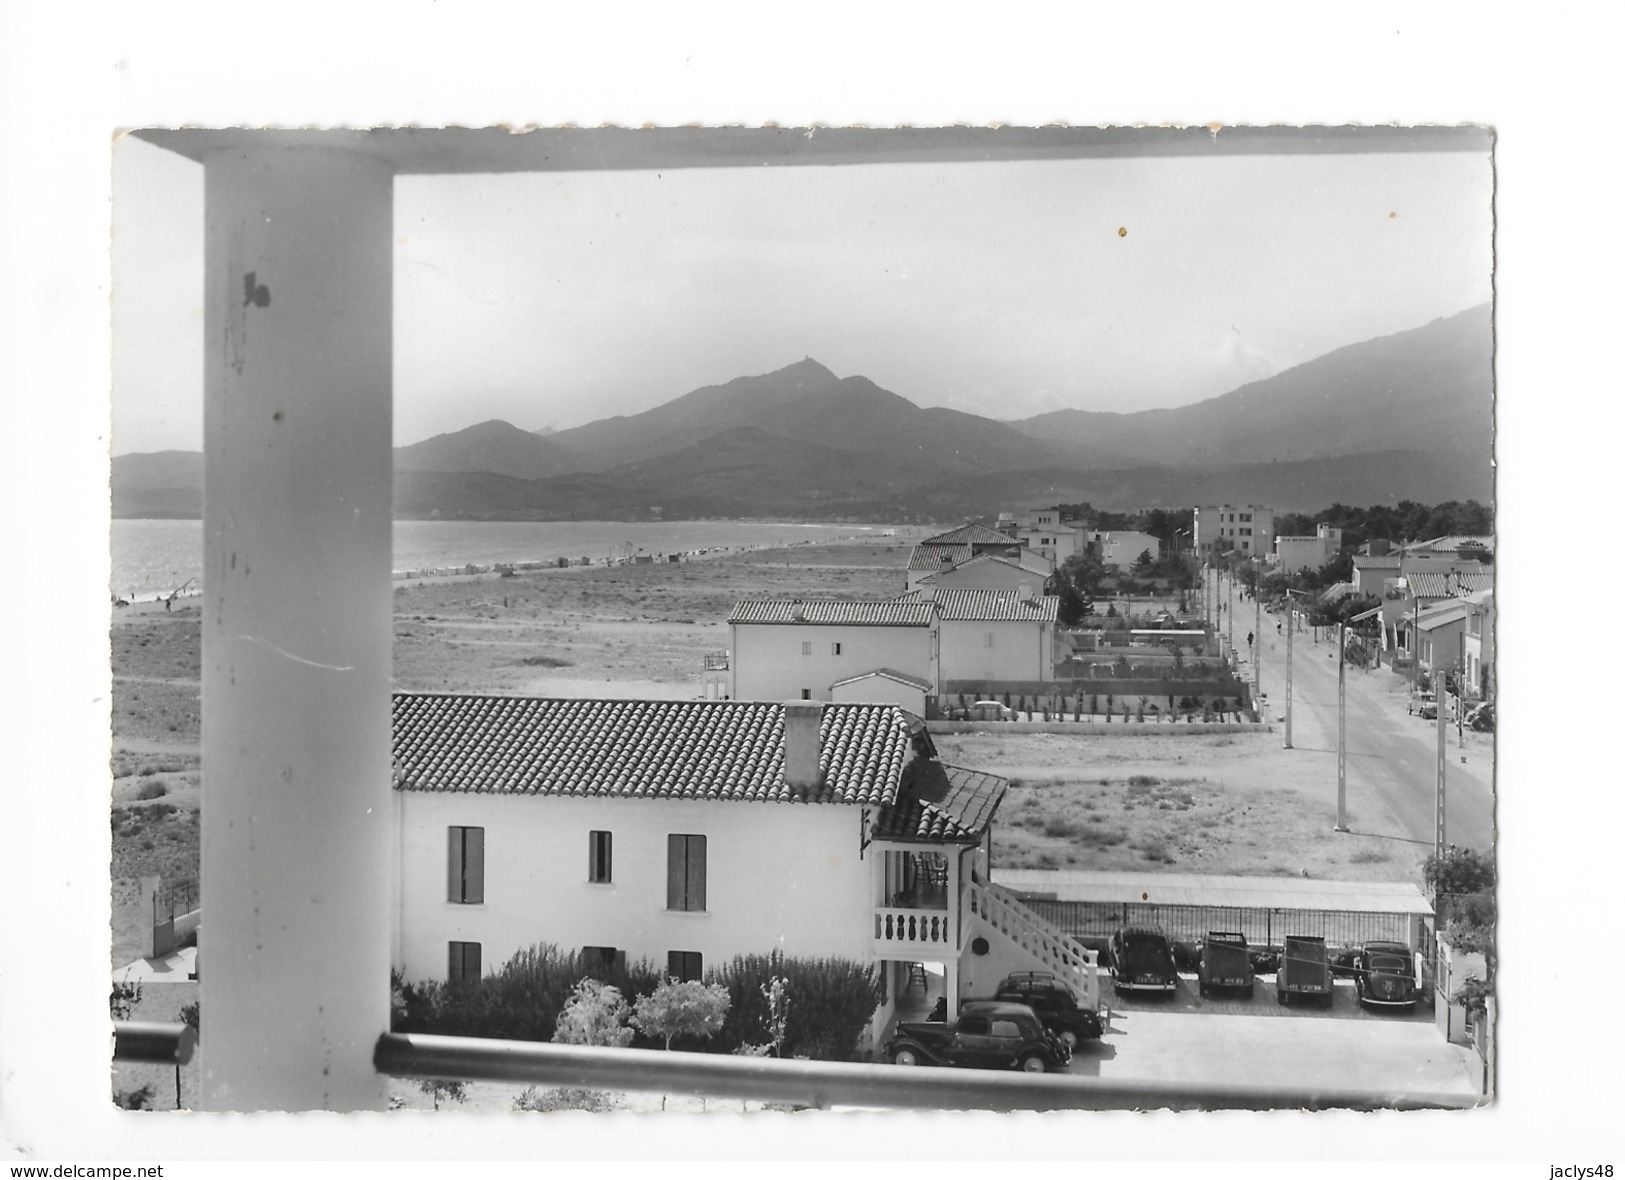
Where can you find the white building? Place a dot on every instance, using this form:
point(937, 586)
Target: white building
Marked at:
point(688, 832)
point(1123, 547)
point(993, 634)
point(788, 648)
point(1248, 529)
point(1295, 553)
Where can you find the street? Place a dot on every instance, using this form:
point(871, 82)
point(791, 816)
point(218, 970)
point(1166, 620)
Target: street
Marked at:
point(1391, 757)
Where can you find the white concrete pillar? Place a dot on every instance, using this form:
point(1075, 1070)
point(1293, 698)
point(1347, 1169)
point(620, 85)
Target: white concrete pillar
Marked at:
point(296, 631)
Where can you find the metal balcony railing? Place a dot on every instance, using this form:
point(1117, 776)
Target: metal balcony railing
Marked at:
point(818, 1084)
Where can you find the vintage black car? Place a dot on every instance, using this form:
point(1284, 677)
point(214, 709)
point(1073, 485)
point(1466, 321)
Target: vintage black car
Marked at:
point(1225, 964)
point(1385, 975)
point(989, 1034)
point(1306, 970)
point(1056, 1004)
point(1142, 960)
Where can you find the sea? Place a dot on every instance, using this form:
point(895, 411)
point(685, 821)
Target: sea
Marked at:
point(156, 558)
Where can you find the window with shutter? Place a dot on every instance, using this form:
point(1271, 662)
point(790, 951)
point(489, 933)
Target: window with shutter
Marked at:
point(465, 865)
point(685, 966)
point(600, 846)
point(685, 872)
point(598, 961)
point(463, 961)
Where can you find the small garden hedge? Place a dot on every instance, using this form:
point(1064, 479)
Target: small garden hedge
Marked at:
point(831, 1001)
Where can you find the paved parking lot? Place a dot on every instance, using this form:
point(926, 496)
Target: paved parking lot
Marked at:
point(1189, 1001)
point(1187, 1038)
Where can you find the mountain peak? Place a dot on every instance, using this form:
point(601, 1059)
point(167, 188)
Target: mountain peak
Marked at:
point(806, 367)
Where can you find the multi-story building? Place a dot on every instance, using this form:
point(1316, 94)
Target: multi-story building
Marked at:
point(1248, 529)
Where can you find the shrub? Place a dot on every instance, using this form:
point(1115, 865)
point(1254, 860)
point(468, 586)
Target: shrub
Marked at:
point(521, 1001)
point(134, 1099)
point(565, 1098)
point(448, 1088)
point(831, 1002)
point(152, 791)
point(595, 1014)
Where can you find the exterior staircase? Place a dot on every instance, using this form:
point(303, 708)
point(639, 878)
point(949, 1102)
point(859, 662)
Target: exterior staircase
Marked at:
point(995, 913)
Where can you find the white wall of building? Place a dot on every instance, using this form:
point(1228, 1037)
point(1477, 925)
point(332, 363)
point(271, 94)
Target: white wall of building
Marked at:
point(1123, 548)
point(778, 876)
point(1015, 651)
point(778, 662)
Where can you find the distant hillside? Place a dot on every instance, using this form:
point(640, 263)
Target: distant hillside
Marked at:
point(1429, 385)
point(1408, 416)
point(494, 447)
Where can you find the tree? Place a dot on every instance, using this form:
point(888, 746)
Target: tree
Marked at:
point(595, 1014)
point(1143, 564)
point(1459, 870)
point(447, 1088)
point(1073, 606)
point(674, 1009)
point(1084, 570)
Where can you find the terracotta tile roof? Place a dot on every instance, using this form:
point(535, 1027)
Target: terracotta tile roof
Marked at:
point(992, 559)
point(926, 556)
point(940, 803)
point(992, 606)
point(1450, 545)
point(890, 674)
point(730, 750)
point(830, 612)
point(1384, 561)
point(1448, 585)
point(971, 534)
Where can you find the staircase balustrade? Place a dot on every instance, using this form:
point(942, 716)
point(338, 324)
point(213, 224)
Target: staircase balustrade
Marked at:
point(1071, 961)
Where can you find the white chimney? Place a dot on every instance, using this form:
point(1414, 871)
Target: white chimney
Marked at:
point(802, 746)
point(1025, 592)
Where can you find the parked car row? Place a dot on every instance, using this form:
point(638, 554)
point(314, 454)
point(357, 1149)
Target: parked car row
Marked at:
point(1034, 1021)
point(1142, 958)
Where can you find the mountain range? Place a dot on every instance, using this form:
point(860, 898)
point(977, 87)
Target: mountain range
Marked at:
point(1405, 416)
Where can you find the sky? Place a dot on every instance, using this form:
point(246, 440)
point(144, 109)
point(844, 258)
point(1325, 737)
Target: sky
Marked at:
point(1002, 289)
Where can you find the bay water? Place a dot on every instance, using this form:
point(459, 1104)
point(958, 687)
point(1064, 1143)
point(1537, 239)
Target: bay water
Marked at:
point(154, 558)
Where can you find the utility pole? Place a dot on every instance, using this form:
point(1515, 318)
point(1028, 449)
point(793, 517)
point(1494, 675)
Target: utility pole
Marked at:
point(1342, 765)
point(1438, 788)
point(1287, 743)
point(1258, 632)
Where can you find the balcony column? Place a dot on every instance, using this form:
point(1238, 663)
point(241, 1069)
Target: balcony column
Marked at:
point(296, 861)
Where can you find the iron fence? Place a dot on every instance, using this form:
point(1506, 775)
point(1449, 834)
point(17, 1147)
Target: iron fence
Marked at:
point(1261, 926)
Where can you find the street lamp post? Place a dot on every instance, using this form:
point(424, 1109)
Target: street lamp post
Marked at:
point(1342, 731)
